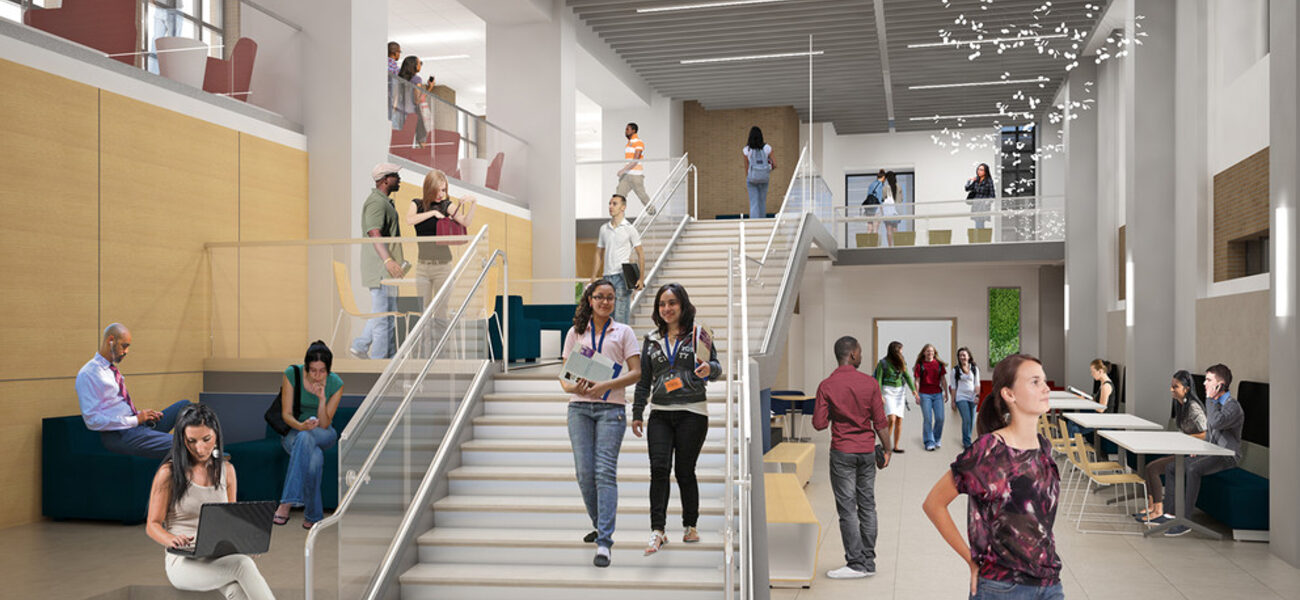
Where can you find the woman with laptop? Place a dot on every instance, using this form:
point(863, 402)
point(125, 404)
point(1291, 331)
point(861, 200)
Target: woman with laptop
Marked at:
point(193, 474)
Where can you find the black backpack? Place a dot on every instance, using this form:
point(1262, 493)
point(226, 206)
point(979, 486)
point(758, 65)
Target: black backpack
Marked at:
point(273, 416)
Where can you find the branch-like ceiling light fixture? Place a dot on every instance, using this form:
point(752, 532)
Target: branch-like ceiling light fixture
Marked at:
point(980, 42)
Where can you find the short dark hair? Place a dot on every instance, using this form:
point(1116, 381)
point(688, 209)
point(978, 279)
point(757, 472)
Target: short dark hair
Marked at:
point(634, 127)
point(621, 198)
point(844, 347)
point(394, 48)
point(1221, 371)
point(318, 351)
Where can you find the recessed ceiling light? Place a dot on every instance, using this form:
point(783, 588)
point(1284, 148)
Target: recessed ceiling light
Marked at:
point(719, 4)
point(444, 57)
point(981, 42)
point(1013, 115)
point(937, 86)
point(698, 61)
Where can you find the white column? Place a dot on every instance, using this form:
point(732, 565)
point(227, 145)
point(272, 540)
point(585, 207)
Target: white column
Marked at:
point(1191, 186)
point(530, 92)
point(1149, 92)
point(1284, 336)
point(1085, 309)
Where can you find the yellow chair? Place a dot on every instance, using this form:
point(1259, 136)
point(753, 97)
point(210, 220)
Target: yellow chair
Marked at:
point(1078, 456)
point(348, 302)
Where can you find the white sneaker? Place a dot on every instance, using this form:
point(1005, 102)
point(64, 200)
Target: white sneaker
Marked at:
point(847, 572)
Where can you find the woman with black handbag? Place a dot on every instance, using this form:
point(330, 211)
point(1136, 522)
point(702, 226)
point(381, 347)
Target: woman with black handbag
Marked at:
point(309, 397)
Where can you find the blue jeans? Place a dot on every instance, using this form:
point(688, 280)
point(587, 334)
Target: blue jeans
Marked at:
point(149, 441)
point(932, 419)
point(967, 410)
point(596, 433)
point(377, 338)
point(988, 589)
point(1074, 429)
point(757, 200)
point(622, 298)
point(306, 462)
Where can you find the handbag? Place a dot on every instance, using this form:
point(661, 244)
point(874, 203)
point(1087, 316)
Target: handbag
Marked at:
point(274, 417)
point(871, 200)
point(449, 226)
point(880, 450)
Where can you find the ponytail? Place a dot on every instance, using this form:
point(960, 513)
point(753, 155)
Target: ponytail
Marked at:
point(994, 414)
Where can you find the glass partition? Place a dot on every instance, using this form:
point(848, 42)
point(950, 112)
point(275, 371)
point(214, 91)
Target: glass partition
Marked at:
point(433, 132)
point(657, 228)
point(596, 180)
point(953, 222)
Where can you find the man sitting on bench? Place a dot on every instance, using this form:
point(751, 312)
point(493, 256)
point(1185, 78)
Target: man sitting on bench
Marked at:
point(1224, 418)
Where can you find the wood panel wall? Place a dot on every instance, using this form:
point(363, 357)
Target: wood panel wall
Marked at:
point(105, 205)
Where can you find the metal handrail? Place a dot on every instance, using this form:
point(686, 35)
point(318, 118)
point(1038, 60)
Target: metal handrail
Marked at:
point(362, 476)
point(744, 477)
point(780, 215)
point(663, 255)
point(659, 198)
point(366, 410)
point(729, 507)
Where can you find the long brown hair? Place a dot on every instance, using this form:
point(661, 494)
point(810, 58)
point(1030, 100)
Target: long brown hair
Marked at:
point(895, 356)
point(434, 181)
point(582, 316)
point(687, 320)
point(920, 358)
point(994, 413)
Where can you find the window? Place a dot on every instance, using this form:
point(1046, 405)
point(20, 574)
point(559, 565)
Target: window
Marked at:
point(1254, 254)
point(855, 191)
point(198, 19)
point(1019, 165)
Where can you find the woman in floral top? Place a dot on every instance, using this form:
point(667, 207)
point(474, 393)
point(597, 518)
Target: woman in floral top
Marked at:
point(1013, 485)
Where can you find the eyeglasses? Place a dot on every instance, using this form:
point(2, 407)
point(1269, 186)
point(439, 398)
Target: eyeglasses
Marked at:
point(603, 298)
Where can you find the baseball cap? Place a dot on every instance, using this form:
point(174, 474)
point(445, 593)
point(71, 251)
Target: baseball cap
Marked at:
point(383, 169)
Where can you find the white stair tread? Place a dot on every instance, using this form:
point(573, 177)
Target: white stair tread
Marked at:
point(529, 473)
point(562, 398)
point(558, 504)
point(553, 538)
point(517, 445)
point(618, 575)
point(549, 420)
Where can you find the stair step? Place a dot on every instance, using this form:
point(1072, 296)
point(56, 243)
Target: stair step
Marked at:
point(484, 473)
point(561, 547)
point(710, 541)
point(561, 446)
point(543, 504)
point(544, 582)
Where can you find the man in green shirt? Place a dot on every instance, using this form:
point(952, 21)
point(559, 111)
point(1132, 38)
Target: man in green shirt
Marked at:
point(380, 260)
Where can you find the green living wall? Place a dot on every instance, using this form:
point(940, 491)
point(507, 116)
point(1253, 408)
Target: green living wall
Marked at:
point(1004, 323)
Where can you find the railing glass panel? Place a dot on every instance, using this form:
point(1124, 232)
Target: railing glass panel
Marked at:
point(955, 222)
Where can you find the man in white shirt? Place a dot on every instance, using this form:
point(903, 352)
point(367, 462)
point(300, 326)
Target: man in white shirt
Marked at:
point(614, 246)
point(106, 406)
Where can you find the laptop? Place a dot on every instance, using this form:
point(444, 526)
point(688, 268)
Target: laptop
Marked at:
point(231, 528)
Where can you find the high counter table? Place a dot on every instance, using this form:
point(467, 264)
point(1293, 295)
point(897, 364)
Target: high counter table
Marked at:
point(1180, 445)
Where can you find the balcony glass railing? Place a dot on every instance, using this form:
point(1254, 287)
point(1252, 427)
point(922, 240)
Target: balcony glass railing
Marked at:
point(597, 180)
point(953, 222)
point(438, 134)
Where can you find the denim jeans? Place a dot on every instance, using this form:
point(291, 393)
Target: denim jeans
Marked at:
point(853, 480)
point(757, 200)
point(967, 410)
point(306, 462)
point(988, 589)
point(147, 440)
point(1197, 467)
point(932, 419)
point(377, 338)
point(622, 298)
point(674, 439)
point(596, 433)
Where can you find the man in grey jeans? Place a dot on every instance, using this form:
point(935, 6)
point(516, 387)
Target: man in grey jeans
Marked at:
point(849, 401)
point(1224, 418)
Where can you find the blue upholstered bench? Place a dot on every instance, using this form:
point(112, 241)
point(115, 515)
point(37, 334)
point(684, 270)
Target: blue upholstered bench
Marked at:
point(1235, 497)
point(261, 464)
point(80, 479)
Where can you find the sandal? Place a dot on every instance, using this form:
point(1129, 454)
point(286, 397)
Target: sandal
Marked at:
point(308, 524)
point(279, 520)
point(657, 540)
point(692, 536)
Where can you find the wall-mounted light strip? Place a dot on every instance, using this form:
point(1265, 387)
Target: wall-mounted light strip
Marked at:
point(1283, 265)
point(1013, 115)
point(980, 42)
point(445, 57)
point(939, 86)
point(722, 59)
point(698, 5)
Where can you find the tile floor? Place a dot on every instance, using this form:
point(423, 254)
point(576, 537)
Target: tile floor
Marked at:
point(82, 560)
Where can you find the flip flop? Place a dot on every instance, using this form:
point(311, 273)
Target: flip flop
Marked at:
point(308, 524)
point(278, 520)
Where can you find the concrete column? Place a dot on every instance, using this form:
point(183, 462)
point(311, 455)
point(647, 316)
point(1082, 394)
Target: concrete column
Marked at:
point(1051, 321)
point(1191, 186)
point(530, 92)
point(1149, 90)
point(1284, 336)
point(1084, 305)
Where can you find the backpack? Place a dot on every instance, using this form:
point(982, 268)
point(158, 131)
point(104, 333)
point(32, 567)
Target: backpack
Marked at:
point(760, 168)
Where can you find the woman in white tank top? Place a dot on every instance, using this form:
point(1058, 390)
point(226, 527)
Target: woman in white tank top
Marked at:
point(196, 473)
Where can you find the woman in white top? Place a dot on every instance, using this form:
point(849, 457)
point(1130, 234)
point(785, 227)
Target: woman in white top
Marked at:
point(889, 206)
point(965, 386)
point(194, 474)
point(758, 172)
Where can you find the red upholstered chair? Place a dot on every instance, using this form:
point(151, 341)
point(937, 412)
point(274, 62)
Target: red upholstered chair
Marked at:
point(402, 140)
point(109, 26)
point(494, 172)
point(446, 152)
point(232, 77)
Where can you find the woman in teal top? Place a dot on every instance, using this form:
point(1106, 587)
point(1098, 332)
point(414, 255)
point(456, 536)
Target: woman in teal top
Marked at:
point(311, 432)
point(891, 373)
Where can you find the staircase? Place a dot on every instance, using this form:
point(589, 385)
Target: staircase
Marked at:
point(512, 523)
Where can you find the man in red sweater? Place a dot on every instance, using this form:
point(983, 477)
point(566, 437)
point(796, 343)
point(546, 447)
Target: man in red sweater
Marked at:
point(849, 401)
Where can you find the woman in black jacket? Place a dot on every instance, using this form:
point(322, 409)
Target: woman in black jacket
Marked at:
point(673, 377)
point(979, 191)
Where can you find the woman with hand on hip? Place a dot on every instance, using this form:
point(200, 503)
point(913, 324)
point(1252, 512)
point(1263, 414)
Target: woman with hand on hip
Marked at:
point(193, 474)
point(679, 362)
point(598, 410)
point(1013, 485)
point(891, 373)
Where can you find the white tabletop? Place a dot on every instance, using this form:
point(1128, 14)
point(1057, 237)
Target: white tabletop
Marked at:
point(1074, 403)
point(1063, 395)
point(1164, 442)
point(1093, 420)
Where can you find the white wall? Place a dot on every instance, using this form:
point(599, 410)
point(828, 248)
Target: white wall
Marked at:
point(278, 68)
point(940, 174)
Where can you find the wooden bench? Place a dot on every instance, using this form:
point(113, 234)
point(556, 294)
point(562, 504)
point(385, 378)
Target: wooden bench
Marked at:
point(791, 457)
point(793, 532)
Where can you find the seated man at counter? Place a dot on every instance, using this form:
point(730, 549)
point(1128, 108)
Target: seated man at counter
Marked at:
point(1224, 419)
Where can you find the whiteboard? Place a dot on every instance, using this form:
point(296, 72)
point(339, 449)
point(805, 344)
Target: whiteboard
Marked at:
point(915, 334)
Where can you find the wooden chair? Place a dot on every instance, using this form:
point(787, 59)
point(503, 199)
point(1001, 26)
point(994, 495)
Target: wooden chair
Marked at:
point(348, 302)
point(1078, 456)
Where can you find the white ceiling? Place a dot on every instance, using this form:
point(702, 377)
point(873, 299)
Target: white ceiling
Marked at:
point(427, 28)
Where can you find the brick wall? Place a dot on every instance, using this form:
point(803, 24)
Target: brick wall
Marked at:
point(1240, 212)
point(713, 139)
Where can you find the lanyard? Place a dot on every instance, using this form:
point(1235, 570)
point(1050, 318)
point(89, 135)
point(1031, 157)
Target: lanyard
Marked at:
point(672, 355)
point(597, 346)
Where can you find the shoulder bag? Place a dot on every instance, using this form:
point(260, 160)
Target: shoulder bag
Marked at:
point(274, 417)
